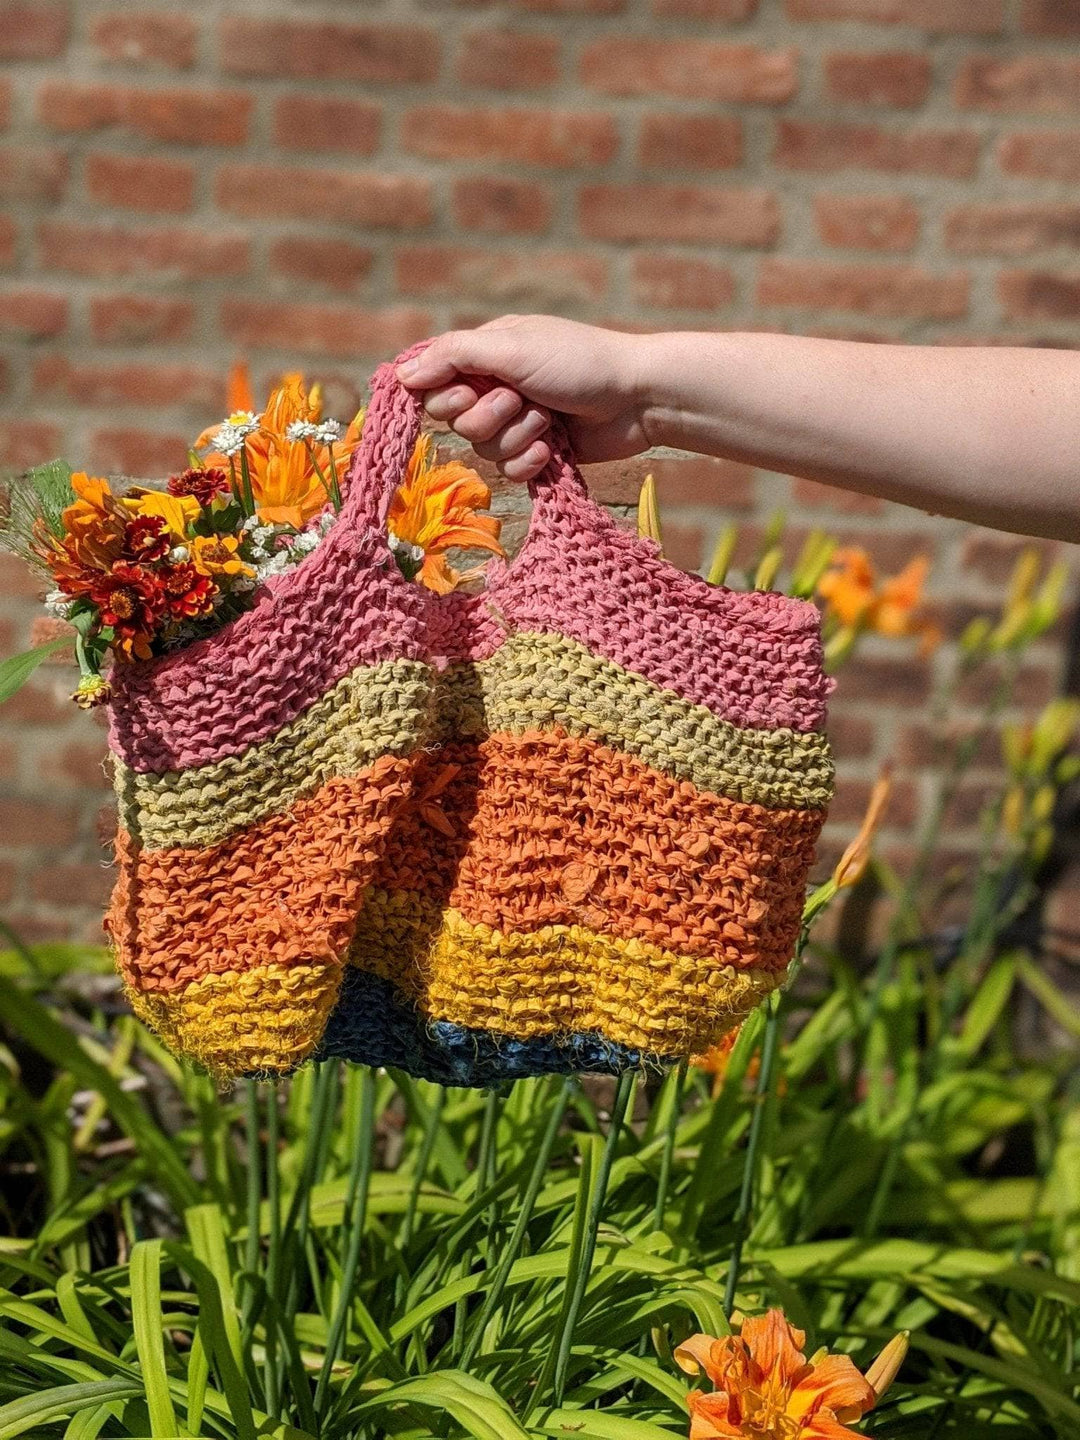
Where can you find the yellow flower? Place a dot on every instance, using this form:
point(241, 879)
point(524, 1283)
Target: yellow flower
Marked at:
point(436, 508)
point(178, 511)
point(217, 555)
point(766, 1389)
point(854, 599)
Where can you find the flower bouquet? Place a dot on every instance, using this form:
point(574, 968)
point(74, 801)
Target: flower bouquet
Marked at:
point(140, 572)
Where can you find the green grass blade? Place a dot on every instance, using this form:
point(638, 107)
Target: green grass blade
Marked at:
point(24, 1416)
point(148, 1326)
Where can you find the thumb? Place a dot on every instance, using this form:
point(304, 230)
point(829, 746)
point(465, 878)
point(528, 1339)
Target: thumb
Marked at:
point(457, 352)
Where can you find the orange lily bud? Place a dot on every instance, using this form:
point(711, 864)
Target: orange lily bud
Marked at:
point(853, 862)
point(886, 1367)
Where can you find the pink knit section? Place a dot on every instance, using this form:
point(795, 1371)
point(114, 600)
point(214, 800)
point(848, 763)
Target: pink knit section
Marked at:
point(753, 658)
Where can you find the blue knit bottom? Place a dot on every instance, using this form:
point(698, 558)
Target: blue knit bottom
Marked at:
point(372, 1025)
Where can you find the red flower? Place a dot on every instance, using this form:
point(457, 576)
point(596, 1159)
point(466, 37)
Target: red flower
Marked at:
point(203, 484)
point(146, 538)
point(130, 598)
point(188, 593)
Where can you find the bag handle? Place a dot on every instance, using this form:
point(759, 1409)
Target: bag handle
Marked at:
point(391, 428)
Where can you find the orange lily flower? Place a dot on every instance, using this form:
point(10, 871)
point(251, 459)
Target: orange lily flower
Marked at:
point(436, 508)
point(285, 479)
point(238, 394)
point(853, 597)
point(766, 1389)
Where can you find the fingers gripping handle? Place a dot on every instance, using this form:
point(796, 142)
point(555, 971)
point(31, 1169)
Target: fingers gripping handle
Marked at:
point(391, 428)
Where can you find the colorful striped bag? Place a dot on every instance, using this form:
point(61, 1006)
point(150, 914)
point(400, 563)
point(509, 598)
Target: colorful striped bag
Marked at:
point(563, 824)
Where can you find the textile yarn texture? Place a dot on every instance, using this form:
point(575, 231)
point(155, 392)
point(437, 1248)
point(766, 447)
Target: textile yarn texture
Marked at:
point(562, 824)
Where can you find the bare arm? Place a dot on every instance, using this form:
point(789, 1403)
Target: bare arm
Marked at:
point(987, 435)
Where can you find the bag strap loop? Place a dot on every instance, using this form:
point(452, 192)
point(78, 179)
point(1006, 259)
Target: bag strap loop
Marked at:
point(391, 428)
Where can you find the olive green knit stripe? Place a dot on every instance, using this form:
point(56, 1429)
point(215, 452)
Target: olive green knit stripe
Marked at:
point(538, 681)
point(375, 710)
point(533, 682)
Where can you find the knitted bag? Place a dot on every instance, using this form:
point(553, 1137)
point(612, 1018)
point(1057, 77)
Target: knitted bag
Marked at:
point(562, 824)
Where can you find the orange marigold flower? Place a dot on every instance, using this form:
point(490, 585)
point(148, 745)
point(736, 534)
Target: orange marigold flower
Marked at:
point(766, 1389)
point(146, 538)
point(132, 600)
point(94, 525)
point(853, 597)
point(188, 593)
point(435, 508)
point(217, 555)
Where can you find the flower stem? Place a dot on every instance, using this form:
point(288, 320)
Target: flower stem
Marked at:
point(248, 499)
point(750, 1165)
point(254, 1189)
point(335, 488)
point(330, 486)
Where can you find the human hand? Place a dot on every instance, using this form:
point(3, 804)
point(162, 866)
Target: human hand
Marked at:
point(544, 364)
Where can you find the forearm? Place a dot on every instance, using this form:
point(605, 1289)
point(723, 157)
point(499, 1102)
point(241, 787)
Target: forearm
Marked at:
point(988, 435)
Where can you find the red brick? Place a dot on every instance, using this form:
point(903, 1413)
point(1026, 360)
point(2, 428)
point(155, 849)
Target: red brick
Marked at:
point(1046, 84)
point(327, 122)
point(616, 482)
point(146, 38)
point(37, 705)
point(501, 207)
point(144, 454)
point(1051, 17)
point(337, 263)
point(815, 496)
point(30, 173)
point(1012, 229)
point(701, 481)
point(886, 682)
point(141, 182)
point(675, 282)
point(32, 31)
point(705, 9)
point(32, 314)
point(953, 17)
point(70, 885)
point(557, 138)
point(993, 557)
point(44, 629)
point(28, 442)
point(1042, 154)
point(684, 545)
point(323, 329)
point(897, 77)
point(113, 250)
point(36, 822)
point(923, 746)
point(851, 736)
point(136, 383)
point(571, 7)
point(831, 146)
point(1034, 687)
point(7, 884)
point(371, 198)
point(1040, 294)
point(531, 278)
point(186, 117)
point(901, 290)
point(7, 91)
point(80, 763)
point(679, 212)
point(324, 50)
point(690, 142)
point(9, 237)
point(508, 60)
point(853, 796)
point(140, 319)
point(691, 69)
point(867, 222)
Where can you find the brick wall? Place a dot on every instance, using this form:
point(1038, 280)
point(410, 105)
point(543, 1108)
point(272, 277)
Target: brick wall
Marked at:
point(320, 183)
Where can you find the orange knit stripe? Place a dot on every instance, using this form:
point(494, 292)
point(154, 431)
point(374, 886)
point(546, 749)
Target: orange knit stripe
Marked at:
point(516, 831)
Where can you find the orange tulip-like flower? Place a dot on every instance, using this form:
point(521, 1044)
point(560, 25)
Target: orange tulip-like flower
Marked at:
point(854, 598)
point(436, 509)
point(766, 1389)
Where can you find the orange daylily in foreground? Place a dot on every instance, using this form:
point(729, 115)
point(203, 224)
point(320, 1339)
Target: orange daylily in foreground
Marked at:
point(435, 508)
point(766, 1389)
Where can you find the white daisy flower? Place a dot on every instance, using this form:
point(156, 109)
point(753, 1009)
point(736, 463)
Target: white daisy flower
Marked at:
point(244, 421)
point(301, 430)
point(328, 432)
point(228, 440)
point(405, 547)
point(57, 605)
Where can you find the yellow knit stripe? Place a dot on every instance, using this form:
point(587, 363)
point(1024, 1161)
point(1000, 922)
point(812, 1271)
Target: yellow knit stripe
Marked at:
point(269, 1018)
point(557, 979)
point(534, 682)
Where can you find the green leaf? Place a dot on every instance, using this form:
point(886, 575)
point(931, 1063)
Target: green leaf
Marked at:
point(23, 1416)
point(149, 1328)
point(15, 672)
point(602, 1425)
point(472, 1403)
